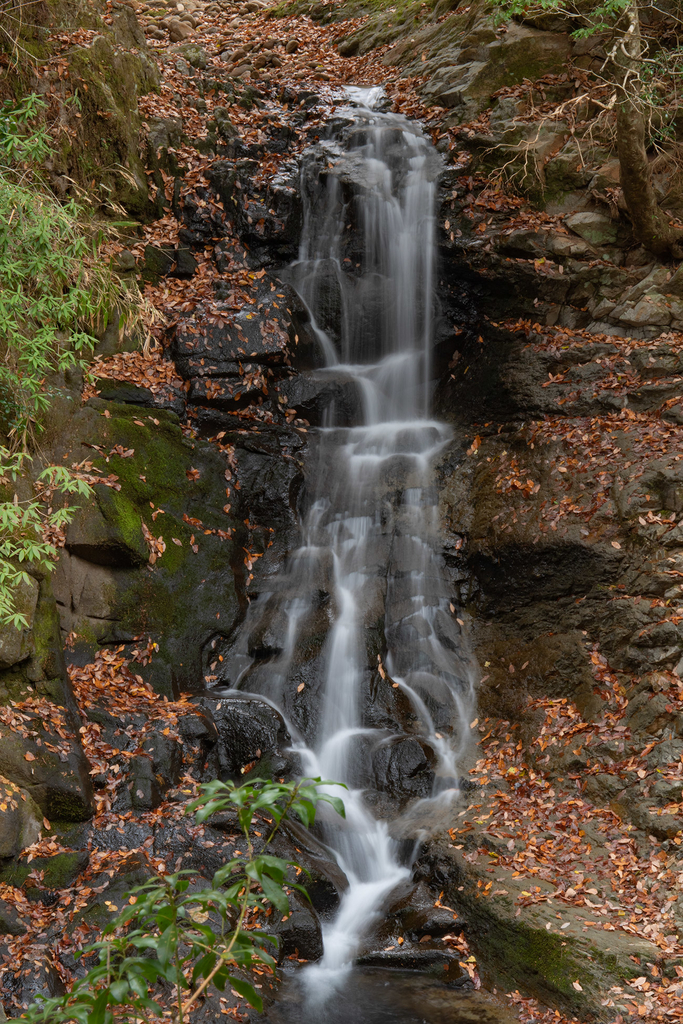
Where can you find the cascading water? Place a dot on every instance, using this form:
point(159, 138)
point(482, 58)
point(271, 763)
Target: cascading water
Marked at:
point(365, 655)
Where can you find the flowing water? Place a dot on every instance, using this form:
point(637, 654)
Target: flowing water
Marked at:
point(366, 660)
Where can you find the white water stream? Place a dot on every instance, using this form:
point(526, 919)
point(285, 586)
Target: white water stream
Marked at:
point(365, 272)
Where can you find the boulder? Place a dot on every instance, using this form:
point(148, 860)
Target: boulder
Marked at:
point(323, 397)
point(16, 644)
point(20, 819)
point(521, 53)
point(178, 30)
point(195, 55)
point(403, 768)
point(299, 931)
point(58, 780)
point(414, 914)
point(249, 731)
point(596, 228)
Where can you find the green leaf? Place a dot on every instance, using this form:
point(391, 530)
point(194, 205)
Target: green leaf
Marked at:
point(119, 990)
point(248, 991)
point(274, 894)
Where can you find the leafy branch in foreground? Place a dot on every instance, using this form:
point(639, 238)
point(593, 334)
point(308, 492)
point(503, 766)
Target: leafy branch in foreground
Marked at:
point(174, 933)
point(28, 528)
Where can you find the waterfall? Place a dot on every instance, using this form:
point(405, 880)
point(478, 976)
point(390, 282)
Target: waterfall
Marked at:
point(366, 657)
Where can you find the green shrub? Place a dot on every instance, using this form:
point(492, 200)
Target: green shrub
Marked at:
point(27, 529)
point(55, 292)
point(191, 938)
point(53, 289)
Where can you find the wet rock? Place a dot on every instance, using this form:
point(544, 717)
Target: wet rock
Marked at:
point(151, 773)
point(414, 912)
point(202, 348)
point(224, 126)
point(250, 732)
point(292, 45)
point(403, 767)
point(11, 921)
point(26, 987)
point(271, 481)
point(325, 882)
point(299, 931)
point(440, 962)
point(323, 397)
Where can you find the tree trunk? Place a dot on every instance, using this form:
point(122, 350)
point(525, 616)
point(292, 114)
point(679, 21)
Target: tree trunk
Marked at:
point(650, 225)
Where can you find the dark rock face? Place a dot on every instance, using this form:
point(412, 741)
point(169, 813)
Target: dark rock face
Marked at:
point(105, 585)
point(43, 981)
point(234, 361)
point(251, 735)
point(323, 396)
point(268, 218)
point(262, 335)
point(299, 931)
point(403, 768)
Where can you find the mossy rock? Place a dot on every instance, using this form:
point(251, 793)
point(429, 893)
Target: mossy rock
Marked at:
point(107, 77)
point(174, 487)
point(195, 55)
point(16, 644)
point(109, 82)
point(40, 668)
point(561, 962)
point(59, 871)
